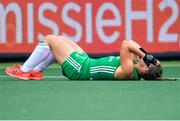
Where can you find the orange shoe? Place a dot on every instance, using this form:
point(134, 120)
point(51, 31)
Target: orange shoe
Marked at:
point(16, 72)
point(36, 75)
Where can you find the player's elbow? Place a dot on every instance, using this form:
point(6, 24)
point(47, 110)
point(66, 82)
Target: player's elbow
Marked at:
point(124, 47)
point(125, 42)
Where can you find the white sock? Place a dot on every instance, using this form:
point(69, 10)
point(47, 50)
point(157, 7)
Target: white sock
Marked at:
point(46, 63)
point(40, 53)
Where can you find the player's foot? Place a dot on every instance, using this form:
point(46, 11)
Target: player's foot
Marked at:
point(16, 72)
point(36, 75)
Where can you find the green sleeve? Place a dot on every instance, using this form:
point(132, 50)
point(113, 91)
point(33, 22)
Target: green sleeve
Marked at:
point(136, 75)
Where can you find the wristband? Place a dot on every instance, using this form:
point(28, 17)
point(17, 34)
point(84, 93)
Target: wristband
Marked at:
point(143, 50)
point(149, 59)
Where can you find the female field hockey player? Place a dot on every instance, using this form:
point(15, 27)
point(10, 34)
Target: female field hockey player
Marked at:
point(133, 63)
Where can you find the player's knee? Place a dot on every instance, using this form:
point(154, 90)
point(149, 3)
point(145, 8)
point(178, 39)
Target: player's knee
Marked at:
point(49, 38)
point(60, 36)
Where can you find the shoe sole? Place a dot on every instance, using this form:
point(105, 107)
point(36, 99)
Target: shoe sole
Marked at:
point(36, 78)
point(24, 78)
point(19, 77)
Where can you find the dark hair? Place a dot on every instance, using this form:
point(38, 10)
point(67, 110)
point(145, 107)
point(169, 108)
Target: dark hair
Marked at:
point(153, 73)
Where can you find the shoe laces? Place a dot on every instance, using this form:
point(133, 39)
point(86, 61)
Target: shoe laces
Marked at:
point(16, 69)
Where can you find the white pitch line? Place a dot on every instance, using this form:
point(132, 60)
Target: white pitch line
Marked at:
point(171, 65)
point(54, 67)
point(4, 76)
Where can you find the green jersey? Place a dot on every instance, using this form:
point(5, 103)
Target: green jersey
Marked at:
point(78, 66)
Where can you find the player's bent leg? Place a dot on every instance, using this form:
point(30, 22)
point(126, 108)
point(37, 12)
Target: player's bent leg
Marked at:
point(40, 53)
point(61, 50)
point(72, 43)
point(26, 71)
point(46, 63)
point(59, 47)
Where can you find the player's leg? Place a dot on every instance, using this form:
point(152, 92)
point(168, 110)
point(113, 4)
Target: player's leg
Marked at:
point(46, 63)
point(50, 59)
point(72, 43)
point(41, 58)
point(37, 72)
point(60, 48)
point(40, 53)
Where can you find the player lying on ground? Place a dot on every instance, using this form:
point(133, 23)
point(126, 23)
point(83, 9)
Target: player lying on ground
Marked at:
point(76, 64)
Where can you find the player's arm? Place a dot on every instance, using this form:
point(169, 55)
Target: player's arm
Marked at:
point(125, 71)
point(138, 50)
point(135, 57)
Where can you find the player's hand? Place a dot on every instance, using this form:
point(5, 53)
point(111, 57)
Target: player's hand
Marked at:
point(158, 63)
point(150, 59)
